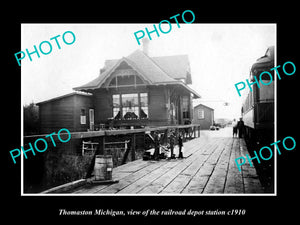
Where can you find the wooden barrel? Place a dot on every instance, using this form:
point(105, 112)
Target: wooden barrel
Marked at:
point(103, 167)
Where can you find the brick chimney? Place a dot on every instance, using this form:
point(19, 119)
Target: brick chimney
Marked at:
point(146, 46)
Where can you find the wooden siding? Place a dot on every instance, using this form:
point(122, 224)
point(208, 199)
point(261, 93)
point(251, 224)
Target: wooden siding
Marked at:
point(157, 106)
point(64, 113)
point(82, 102)
point(57, 114)
point(207, 121)
point(103, 105)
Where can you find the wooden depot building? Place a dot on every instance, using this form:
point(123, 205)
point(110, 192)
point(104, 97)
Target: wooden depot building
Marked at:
point(204, 116)
point(73, 111)
point(133, 91)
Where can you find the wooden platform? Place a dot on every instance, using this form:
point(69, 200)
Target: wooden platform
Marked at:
point(209, 169)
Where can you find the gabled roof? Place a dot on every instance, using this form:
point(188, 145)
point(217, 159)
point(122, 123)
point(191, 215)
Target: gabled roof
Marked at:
point(201, 105)
point(149, 68)
point(178, 66)
point(96, 83)
point(155, 70)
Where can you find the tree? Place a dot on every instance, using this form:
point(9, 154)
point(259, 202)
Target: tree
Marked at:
point(31, 119)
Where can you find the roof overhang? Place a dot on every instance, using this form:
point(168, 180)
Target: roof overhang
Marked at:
point(196, 95)
point(183, 85)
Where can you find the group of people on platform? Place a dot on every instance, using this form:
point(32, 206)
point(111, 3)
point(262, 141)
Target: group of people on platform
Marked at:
point(238, 128)
point(171, 142)
point(238, 131)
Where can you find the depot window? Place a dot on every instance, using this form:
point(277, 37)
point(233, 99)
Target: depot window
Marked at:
point(200, 114)
point(82, 116)
point(130, 106)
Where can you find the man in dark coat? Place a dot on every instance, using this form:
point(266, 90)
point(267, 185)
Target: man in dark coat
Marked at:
point(172, 144)
point(240, 127)
point(156, 146)
point(180, 144)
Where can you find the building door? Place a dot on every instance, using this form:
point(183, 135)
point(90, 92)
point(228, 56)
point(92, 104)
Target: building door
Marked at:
point(91, 117)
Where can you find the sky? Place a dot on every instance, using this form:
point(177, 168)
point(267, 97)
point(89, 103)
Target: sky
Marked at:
point(220, 55)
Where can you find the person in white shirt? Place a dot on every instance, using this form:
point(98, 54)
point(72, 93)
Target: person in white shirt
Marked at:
point(234, 127)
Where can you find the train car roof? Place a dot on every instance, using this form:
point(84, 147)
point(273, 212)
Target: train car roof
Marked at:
point(266, 60)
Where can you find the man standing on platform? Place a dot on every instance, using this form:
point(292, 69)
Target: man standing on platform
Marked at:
point(234, 128)
point(180, 144)
point(172, 144)
point(156, 146)
point(240, 126)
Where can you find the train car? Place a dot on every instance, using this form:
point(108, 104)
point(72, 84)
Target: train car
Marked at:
point(258, 107)
point(258, 117)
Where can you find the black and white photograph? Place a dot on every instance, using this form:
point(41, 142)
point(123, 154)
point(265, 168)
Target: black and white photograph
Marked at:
point(122, 114)
point(164, 114)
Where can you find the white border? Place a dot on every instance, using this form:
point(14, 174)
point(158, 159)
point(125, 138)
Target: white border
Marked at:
point(275, 115)
point(158, 195)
